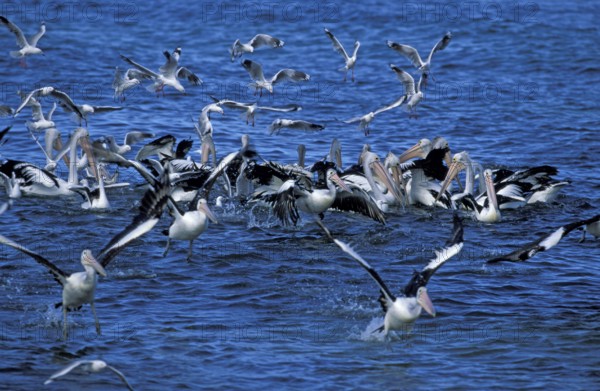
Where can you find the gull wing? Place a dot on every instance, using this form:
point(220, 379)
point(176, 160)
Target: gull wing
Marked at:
point(121, 376)
point(405, 78)
point(254, 69)
point(35, 38)
point(289, 75)
point(189, 75)
point(140, 68)
point(393, 105)
point(337, 46)
point(13, 28)
point(408, 52)
point(440, 45)
point(67, 369)
point(260, 40)
point(169, 67)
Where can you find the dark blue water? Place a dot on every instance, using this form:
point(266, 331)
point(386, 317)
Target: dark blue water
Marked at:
point(265, 306)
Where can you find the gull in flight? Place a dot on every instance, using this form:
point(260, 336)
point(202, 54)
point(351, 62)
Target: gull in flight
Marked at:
point(94, 366)
point(250, 108)
point(350, 61)
point(40, 122)
point(169, 73)
point(86, 110)
point(256, 73)
point(204, 125)
point(62, 97)
point(412, 54)
point(27, 47)
point(413, 96)
point(365, 120)
point(260, 40)
point(279, 124)
point(123, 82)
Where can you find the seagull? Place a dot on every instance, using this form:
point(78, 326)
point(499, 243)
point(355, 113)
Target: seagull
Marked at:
point(62, 97)
point(27, 48)
point(407, 308)
point(204, 126)
point(162, 147)
point(251, 108)
point(413, 96)
point(88, 366)
point(278, 124)
point(256, 73)
point(86, 110)
point(260, 40)
point(79, 288)
point(350, 61)
point(365, 120)
point(169, 73)
point(544, 243)
point(122, 83)
point(40, 122)
point(412, 54)
point(130, 139)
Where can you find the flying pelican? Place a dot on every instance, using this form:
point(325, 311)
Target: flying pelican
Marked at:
point(168, 74)
point(255, 71)
point(279, 124)
point(79, 288)
point(350, 61)
point(250, 109)
point(412, 54)
point(544, 243)
point(88, 366)
point(27, 47)
point(408, 307)
point(260, 40)
point(188, 225)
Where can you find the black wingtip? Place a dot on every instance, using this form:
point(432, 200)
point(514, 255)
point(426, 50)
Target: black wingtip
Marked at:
point(457, 231)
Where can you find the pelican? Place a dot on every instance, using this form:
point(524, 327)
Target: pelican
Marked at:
point(545, 242)
point(415, 298)
point(169, 73)
point(279, 124)
point(28, 179)
point(88, 366)
point(95, 197)
point(250, 109)
point(412, 54)
point(188, 225)
point(350, 61)
point(593, 227)
point(260, 40)
point(255, 71)
point(123, 82)
point(413, 95)
point(27, 47)
point(79, 288)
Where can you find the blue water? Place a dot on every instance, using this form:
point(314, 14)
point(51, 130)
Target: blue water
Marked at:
point(267, 306)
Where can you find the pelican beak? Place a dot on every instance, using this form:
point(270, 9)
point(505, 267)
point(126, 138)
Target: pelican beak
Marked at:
point(491, 191)
point(90, 260)
point(384, 176)
point(455, 168)
point(412, 152)
point(84, 141)
point(448, 160)
point(338, 181)
point(206, 210)
point(397, 176)
point(425, 302)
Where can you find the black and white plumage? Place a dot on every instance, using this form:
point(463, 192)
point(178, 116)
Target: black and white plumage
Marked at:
point(544, 243)
point(238, 49)
point(413, 55)
point(3, 133)
point(255, 71)
point(250, 109)
point(414, 297)
point(63, 98)
point(93, 366)
point(168, 74)
point(26, 178)
point(27, 47)
point(350, 61)
point(6, 111)
point(279, 124)
point(162, 147)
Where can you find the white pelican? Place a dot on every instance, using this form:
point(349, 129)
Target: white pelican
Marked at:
point(27, 47)
point(188, 225)
point(260, 40)
point(413, 95)
point(255, 71)
point(412, 54)
point(350, 62)
point(28, 179)
point(407, 308)
point(79, 288)
point(123, 82)
point(88, 366)
point(279, 124)
point(593, 227)
point(250, 109)
point(169, 73)
point(544, 243)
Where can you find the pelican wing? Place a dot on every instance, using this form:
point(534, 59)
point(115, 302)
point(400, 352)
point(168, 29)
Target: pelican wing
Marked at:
point(254, 69)
point(385, 291)
point(408, 52)
point(405, 78)
point(13, 28)
point(289, 75)
point(185, 73)
point(450, 249)
point(358, 201)
point(141, 68)
point(59, 275)
point(260, 40)
point(337, 46)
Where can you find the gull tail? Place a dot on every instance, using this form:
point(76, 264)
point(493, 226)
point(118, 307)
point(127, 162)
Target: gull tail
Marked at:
point(16, 54)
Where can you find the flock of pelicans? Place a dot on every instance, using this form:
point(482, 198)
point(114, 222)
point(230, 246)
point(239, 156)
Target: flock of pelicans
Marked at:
point(422, 175)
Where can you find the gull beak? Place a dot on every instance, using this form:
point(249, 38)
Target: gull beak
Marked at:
point(90, 260)
point(338, 181)
point(412, 152)
point(425, 302)
point(384, 176)
point(206, 210)
point(455, 168)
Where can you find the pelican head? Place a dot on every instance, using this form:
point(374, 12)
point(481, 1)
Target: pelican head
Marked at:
point(459, 162)
point(202, 206)
point(420, 150)
point(333, 176)
point(88, 260)
point(424, 301)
